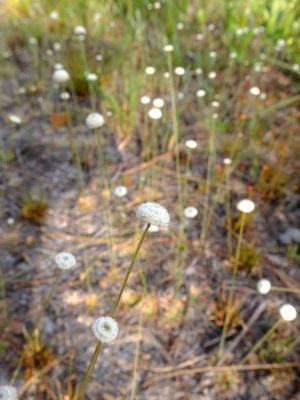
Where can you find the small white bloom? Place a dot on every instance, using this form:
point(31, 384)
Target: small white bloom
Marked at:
point(32, 41)
point(54, 15)
point(255, 91)
point(167, 75)
point(233, 55)
point(263, 96)
point(155, 113)
point(215, 104)
point(61, 76)
point(65, 96)
point(8, 393)
point(109, 113)
point(200, 93)
point(288, 312)
point(91, 77)
point(227, 161)
point(180, 95)
point(215, 116)
point(157, 5)
point(94, 120)
point(199, 36)
point(22, 90)
point(79, 30)
point(168, 48)
point(105, 329)
point(211, 27)
point(191, 144)
point(153, 228)
point(246, 206)
point(180, 26)
point(263, 286)
point(198, 71)
point(296, 67)
point(212, 75)
point(58, 66)
point(65, 260)
point(10, 221)
point(149, 70)
point(56, 46)
point(280, 44)
point(158, 102)
point(212, 54)
point(179, 71)
point(145, 100)
point(153, 213)
point(190, 212)
point(120, 191)
point(97, 16)
point(99, 57)
point(15, 119)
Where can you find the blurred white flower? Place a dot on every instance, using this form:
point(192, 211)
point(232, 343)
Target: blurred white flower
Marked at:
point(79, 30)
point(200, 93)
point(263, 96)
point(32, 41)
point(179, 71)
point(94, 120)
point(15, 119)
point(263, 286)
point(99, 57)
point(65, 96)
point(58, 66)
point(212, 75)
point(288, 312)
point(168, 48)
point(281, 43)
point(120, 191)
point(180, 95)
point(191, 144)
point(199, 36)
point(22, 90)
point(91, 77)
point(155, 113)
point(211, 27)
point(149, 70)
point(245, 206)
point(227, 161)
point(153, 213)
point(198, 71)
point(233, 55)
point(145, 100)
point(54, 15)
point(153, 228)
point(157, 5)
point(255, 91)
point(49, 52)
point(190, 212)
point(212, 54)
point(65, 260)
point(180, 26)
point(215, 116)
point(61, 76)
point(56, 46)
point(296, 67)
point(166, 75)
point(105, 329)
point(8, 393)
point(158, 102)
point(215, 104)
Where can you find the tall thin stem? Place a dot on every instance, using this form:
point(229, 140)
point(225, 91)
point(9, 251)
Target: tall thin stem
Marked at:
point(232, 287)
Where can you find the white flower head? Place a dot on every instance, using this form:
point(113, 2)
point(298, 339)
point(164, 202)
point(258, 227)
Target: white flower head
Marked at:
point(145, 99)
point(255, 91)
point(199, 36)
point(94, 120)
point(227, 161)
point(54, 15)
point(198, 71)
point(149, 70)
point(288, 312)
point(180, 26)
point(215, 104)
point(65, 95)
point(233, 55)
point(32, 41)
point(191, 144)
point(99, 57)
point(155, 113)
point(212, 75)
point(8, 393)
point(263, 286)
point(56, 46)
point(200, 93)
point(179, 71)
point(120, 191)
point(153, 228)
point(158, 102)
point(166, 75)
point(105, 329)
point(212, 54)
point(157, 5)
point(245, 206)
point(190, 212)
point(168, 48)
point(79, 30)
point(58, 66)
point(61, 76)
point(14, 119)
point(65, 260)
point(153, 213)
point(91, 77)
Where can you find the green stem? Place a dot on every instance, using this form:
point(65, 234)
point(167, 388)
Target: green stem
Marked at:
point(232, 287)
point(260, 341)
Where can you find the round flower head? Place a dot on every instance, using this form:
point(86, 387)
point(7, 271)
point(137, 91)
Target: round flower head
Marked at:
point(153, 228)
point(65, 96)
point(168, 48)
point(227, 161)
point(54, 15)
point(263, 286)
point(212, 75)
point(166, 75)
point(79, 30)
point(56, 46)
point(288, 312)
point(8, 393)
point(153, 213)
point(145, 99)
point(191, 144)
point(94, 120)
point(179, 71)
point(190, 212)
point(99, 57)
point(158, 102)
point(150, 70)
point(200, 93)
point(155, 113)
point(120, 191)
point(246, 206)
point(15, 119)
point(91, 77)
point(255, 91)
point(61, 76)
point(105, 329)
point(65, 260)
